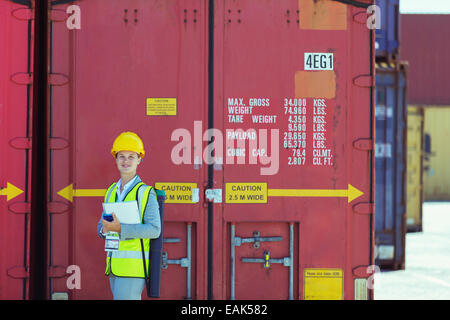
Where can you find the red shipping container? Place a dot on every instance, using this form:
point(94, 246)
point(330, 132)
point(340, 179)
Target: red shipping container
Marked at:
point(15, 156)
point(125, 54)
point(423, 45)
point(302, 71)
point(280, 206)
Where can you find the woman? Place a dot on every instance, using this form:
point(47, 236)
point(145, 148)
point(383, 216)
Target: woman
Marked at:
point(125, 265)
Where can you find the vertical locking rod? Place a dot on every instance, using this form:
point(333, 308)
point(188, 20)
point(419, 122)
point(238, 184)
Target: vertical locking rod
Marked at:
point(188, 278)
point(291, 264)
point(232, 275)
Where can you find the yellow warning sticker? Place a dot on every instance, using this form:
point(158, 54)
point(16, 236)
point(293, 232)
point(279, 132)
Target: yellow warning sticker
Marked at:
point(323, 284)
point(161, 106)
point(246, 192)
point(179, 192)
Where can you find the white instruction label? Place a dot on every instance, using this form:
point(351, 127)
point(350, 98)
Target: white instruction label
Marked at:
point(318, 61)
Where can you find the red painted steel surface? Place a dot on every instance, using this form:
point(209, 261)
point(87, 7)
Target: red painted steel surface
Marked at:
point(14, 155)
point(118, 59)
point(127, 51)
point(114, 65)
point(259, 54)
point(424, 45)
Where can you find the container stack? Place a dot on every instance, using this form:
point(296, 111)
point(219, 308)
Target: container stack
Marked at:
point(429, 96)
point(390, 140)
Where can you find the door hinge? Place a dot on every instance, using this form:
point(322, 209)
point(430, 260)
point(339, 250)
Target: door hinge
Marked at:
point(18, 272)
point(364, 271)
point(20, 207)
point(361, 17)
point(58, 79)
point(26, 78)
point(365, 208)
point(363, 144)
point(58, 143)
point(23, 14)
point(57, 15)
point(57, 207)
point(364, 81)
point(20, 143)
point(56, 272)
point(22, 78)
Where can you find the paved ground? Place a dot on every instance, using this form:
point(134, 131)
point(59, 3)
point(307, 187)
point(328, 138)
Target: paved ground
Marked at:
point(427, 262)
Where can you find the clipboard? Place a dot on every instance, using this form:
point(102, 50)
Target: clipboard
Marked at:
point(126, 212)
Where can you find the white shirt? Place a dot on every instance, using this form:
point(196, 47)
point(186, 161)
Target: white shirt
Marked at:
point(121, 195)
point(152, 224)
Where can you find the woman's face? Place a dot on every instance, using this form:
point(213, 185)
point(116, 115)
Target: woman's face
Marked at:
point(127, 161)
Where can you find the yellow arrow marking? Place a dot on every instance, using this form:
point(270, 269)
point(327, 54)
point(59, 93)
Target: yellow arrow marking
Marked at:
point(351, 193)
point(69, 192)
point(11, 191)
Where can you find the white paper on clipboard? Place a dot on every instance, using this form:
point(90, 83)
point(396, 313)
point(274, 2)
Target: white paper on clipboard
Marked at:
point(127, 212)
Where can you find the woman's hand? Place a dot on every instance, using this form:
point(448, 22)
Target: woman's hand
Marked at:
point(111, 226)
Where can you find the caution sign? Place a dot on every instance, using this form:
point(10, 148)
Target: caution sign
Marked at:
point(179, 192)
point(323, 284)
point(246, 192)
point(161, 106)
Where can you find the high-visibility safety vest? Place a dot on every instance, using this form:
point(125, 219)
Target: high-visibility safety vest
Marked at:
point(127, 261)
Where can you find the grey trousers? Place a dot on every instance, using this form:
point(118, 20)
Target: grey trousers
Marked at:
point(126, 288)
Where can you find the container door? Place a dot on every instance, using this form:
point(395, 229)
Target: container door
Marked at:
point(15, 132)
point(390, 166)
point(293, 102)
point(290, 185)
point(384, 166)
point(400, 177)
point(127, 65)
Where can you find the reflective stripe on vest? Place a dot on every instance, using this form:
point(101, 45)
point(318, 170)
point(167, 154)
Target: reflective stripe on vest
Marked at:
point(130, 255)
point(127, 261)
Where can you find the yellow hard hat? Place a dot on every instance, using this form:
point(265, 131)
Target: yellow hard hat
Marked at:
point(128, 141)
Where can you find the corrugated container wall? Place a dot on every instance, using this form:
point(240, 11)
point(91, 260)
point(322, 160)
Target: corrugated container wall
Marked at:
point(436, 167)
point(425, 45)
point(387, 37)
point(390, 164)
point(245, 217)
point(267, 61)
point(15, 156)
point(415, 155)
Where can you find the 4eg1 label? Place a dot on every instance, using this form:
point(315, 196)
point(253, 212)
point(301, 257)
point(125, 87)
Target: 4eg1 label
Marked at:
point(318, 61)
